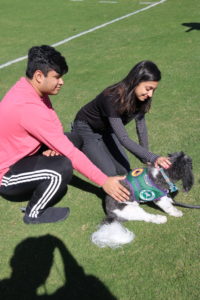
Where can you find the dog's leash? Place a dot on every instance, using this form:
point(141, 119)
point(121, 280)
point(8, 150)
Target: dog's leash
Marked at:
point(173, 188)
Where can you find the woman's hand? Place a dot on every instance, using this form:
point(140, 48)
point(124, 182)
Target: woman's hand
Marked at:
point(115, 189)
point(50, 152)
point(163, 162)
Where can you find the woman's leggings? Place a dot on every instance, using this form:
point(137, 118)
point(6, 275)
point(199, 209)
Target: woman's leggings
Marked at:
point(103, 149)
point(46, 178)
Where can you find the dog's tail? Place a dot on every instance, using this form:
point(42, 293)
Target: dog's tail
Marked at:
point(112, 233)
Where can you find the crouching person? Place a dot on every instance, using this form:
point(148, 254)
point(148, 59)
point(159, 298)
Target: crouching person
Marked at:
point(27, 123)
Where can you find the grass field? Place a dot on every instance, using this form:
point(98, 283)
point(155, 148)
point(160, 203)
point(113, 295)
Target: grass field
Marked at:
point(58, 261)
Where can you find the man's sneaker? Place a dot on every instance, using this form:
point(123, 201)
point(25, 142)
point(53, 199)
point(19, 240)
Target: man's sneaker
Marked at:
point(50, 215)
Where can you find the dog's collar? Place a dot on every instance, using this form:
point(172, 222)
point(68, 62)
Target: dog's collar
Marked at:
point(172, 187)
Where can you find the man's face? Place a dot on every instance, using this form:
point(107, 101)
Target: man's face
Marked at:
point(51, 84)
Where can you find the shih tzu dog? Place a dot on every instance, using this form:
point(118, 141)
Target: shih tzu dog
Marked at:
point(145, 185)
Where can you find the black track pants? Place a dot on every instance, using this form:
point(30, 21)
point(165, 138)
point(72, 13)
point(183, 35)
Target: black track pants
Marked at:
point(45, 177)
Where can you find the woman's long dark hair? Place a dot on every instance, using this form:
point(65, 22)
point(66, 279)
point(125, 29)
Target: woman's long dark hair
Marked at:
point(123, 92)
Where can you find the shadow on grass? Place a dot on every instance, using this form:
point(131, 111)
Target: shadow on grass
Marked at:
point(88, 187)
point(192, 26)
point(31, 265)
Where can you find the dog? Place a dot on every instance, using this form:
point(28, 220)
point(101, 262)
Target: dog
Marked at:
point(157, 186)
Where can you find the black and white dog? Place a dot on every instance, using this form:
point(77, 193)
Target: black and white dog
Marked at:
point(157, 185)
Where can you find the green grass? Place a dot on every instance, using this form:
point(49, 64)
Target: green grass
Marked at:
point(163, 260)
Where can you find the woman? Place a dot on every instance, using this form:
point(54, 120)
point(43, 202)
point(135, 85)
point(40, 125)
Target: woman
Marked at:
point(101, 122)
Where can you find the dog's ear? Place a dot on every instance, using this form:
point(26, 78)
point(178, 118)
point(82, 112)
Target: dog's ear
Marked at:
point(188, 178)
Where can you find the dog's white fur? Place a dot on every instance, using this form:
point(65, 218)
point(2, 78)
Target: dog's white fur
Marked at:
point(114, 234)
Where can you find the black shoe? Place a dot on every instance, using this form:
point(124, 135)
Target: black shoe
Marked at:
point(50, 215)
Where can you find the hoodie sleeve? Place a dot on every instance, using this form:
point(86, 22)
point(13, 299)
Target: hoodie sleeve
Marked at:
point(43, 124)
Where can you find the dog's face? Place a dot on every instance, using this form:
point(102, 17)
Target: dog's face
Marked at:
point(181, 169)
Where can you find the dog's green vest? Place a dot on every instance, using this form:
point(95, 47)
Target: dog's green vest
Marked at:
point(141, 186)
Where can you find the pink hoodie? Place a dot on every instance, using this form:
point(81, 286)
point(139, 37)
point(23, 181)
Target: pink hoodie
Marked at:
point(26, 122)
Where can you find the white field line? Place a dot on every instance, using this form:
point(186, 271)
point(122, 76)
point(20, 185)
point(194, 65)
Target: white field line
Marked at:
point(109, 2)
point(146, 2)
point(87, 31)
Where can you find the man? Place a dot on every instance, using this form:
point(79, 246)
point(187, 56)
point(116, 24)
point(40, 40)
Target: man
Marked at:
point(27, 122)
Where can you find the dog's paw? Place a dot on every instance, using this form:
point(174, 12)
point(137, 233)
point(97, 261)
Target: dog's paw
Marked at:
point(173, 211)
point(158, 219)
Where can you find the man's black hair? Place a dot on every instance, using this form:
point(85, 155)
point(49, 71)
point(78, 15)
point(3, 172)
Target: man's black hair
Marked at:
point(45, 58)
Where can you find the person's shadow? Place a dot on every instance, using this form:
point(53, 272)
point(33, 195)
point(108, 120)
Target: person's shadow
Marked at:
point(85, 186)
point(31, 265)
point(192, 26)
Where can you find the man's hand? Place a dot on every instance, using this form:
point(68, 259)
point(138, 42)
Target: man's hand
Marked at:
point(50, 152)
point(115, 189)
